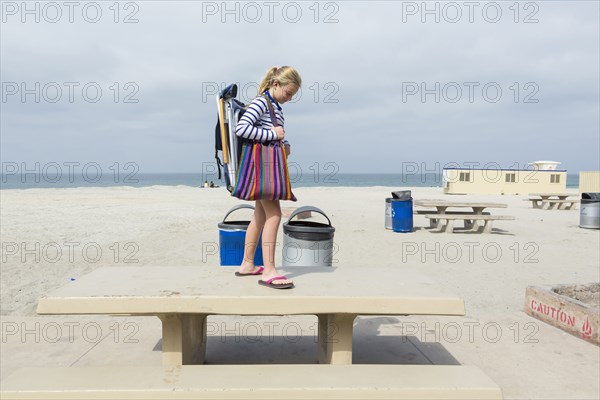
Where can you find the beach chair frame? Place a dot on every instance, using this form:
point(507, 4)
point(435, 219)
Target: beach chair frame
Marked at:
point(230, 111)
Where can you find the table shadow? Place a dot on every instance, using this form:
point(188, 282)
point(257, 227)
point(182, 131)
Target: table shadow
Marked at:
point(296, 347)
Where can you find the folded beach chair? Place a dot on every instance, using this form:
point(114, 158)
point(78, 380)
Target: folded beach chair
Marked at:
point(226, 141)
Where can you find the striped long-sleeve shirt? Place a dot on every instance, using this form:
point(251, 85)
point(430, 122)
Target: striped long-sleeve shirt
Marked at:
point(256, 123)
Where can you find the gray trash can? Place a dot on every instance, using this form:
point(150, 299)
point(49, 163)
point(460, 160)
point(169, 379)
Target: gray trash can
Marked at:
point(307, 243)
point(589, 216)
point(402, 195)
point(388, 213)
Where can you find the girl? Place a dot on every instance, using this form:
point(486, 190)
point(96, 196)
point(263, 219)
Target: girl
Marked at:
point(280, 84)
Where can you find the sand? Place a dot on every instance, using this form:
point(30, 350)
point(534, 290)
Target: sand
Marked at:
point(588, 294)
point(50, 236)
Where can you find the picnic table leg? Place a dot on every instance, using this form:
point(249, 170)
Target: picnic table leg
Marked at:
point(449, 226)
point(562, 206)
point(183, 338)
point(546, 204)
point(475, 225)
point(487, 228)
point(335, 338)
point(194, 338)
point(439, 223)
point(172, 344)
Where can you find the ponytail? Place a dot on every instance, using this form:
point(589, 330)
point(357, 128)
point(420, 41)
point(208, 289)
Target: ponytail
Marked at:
point(284, 75)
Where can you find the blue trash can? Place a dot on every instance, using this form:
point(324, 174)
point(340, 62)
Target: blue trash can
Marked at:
point(402, 215)
point(232, 237)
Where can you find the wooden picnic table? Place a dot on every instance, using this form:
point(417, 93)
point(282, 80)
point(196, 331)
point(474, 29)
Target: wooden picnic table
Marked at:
point(183, 297)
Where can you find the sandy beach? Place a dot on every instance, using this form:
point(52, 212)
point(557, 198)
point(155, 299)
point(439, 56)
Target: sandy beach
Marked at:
point(51, 236)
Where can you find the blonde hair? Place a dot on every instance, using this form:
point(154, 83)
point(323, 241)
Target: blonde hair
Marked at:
point(284, 75)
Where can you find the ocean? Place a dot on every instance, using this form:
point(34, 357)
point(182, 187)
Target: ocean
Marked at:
point(39, 180)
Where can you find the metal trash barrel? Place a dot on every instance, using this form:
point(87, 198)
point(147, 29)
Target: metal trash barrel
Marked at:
point(388, 213)
point(403, 195)
point(232, 237)
point(589, 214)
point(402, 214)
point(307, 243)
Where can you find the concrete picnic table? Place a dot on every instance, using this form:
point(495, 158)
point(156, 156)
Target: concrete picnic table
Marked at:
point(442, 206)
point(183, 297)
point(546, 196)
point(551, 200)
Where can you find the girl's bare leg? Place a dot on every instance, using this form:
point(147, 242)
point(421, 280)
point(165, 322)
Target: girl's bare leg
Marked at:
point(252, 234)
point(269, 239)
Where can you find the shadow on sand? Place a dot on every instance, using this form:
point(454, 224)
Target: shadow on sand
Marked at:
point(293, 346)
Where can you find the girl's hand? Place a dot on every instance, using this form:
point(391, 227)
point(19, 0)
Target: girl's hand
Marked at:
point(288, 150)
point(279, 131)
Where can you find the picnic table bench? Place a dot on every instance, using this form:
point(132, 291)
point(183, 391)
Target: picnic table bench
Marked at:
point(553, 201)
point(183, 298)
point(258, 382)
point(444, 220)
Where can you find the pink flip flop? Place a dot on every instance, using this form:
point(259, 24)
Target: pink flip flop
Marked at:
point(269, 283)
point(260, 270)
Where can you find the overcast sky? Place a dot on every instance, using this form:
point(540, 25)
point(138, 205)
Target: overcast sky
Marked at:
point(385, 84)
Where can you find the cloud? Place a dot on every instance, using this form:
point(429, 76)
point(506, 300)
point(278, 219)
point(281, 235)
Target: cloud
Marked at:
point(358, 105)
